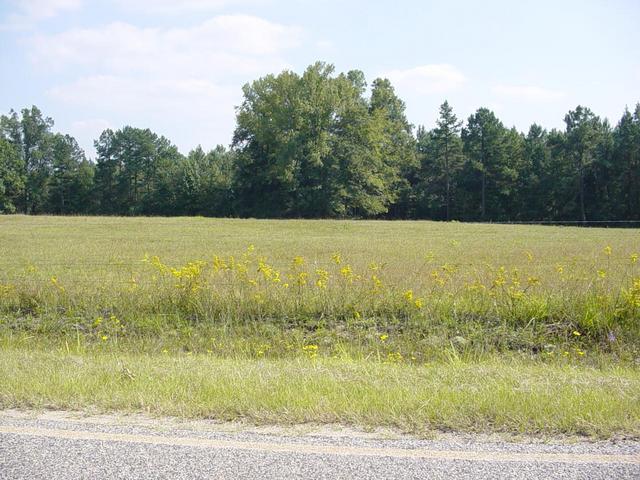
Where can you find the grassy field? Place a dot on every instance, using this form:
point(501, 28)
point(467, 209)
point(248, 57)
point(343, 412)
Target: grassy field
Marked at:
point(413, 324)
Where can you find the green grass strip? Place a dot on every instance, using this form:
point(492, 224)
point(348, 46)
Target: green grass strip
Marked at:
point(494, 395)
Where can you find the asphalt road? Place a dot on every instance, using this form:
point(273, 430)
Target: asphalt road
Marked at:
point(68, 446)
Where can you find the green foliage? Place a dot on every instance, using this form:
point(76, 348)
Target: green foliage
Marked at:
point(442, 162)
point(487, 170)
point(316, 145)
point(135, 172)
point(71, 178)
point(626, 166)
point(11, 180)
point(42, 172)
point(583, 129)
point(313, 146)
point(204, 183)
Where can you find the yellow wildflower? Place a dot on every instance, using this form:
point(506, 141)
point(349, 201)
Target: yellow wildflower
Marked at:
point(311, 350)
point(301, 280)
point(394, 357)
point(323, 278)
point(377, 283)
point(346, 271)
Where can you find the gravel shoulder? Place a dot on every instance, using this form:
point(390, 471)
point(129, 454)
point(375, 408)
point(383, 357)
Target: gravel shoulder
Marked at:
point(45, 444)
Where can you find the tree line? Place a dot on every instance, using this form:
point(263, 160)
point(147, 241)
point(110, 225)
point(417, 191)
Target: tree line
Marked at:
point(321, 145)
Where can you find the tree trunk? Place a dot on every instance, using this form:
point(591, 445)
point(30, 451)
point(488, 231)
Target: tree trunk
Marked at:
point(448, 196)
point(447, 178)
point(582, 211)
point(26, 189)
point(484, 187)
point(484, 178)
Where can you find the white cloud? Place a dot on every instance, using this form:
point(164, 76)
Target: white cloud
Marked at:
point(238, 44)
point(28, 12)
point(176, 7)
point(173, 6)
point(127, 68)
point(527, 93)
point(427, 79)
point(195, 110)
point(123, 94)
point(46, 8)
point(182, 82)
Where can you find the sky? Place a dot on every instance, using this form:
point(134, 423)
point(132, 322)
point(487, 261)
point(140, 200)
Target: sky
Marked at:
point(178, 67)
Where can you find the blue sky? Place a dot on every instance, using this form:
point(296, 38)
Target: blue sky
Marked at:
point(177, 67)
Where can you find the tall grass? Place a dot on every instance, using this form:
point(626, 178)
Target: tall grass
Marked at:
point(422, 286)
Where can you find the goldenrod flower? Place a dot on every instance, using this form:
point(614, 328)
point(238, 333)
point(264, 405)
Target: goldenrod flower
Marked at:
point(311, 350)
point(323, 278)
point(346, 272)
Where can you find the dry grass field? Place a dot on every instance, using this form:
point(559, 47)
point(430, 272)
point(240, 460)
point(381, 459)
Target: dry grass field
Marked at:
point(413, 315)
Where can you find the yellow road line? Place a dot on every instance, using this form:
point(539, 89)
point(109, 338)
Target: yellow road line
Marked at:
point(419, 453)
